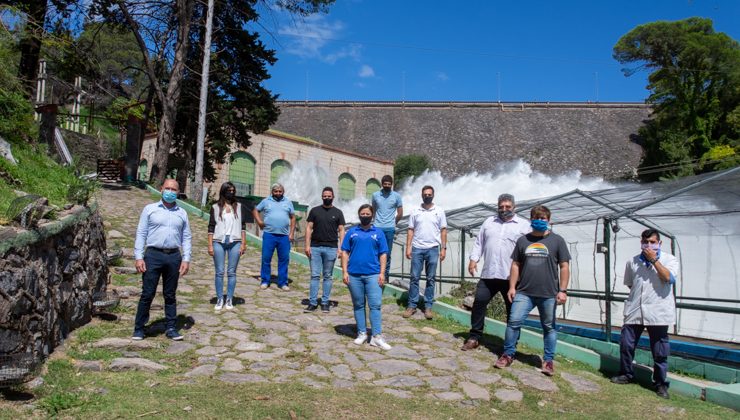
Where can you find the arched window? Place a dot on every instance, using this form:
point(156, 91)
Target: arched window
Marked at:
point(241, 173)
point(278, 168)
point(371, 186)
point(143, 174)
point(346, 187)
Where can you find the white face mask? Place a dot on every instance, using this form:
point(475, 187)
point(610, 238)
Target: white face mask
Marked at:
point(654, 247)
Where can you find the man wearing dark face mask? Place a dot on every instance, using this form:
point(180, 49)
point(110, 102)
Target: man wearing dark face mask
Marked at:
point(279, 226)
point(388, 207)
point(495, 242)
point(325, 226)
point(650, 276)
point(426, 244)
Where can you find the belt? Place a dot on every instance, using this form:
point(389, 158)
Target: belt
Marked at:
point(165, 250)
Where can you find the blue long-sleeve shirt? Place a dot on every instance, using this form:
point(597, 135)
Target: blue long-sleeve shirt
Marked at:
point(162, 227)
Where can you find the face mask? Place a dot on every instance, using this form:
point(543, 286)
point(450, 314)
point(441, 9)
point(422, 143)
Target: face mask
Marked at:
point(277, 197)
point(366, 220)
point(540, 225)
point(327, 201)
point(229, 195)
point(386, 189)
point(505, 214)
point(169, 196)
point(654, 247)
point(427, 200)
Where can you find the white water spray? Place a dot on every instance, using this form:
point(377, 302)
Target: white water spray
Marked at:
point(305, 182)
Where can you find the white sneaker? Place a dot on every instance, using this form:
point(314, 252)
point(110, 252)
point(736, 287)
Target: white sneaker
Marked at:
point(361, 338)
point(219, 304)
point(229, 306)
point(285, 288)
point(378, 341)
point(264, 286)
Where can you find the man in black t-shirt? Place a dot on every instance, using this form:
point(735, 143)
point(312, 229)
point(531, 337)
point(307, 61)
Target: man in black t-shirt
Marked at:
point(540, 271)
point(324, 230)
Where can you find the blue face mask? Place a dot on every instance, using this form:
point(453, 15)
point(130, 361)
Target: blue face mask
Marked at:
point(169, 196)
point(540, 225)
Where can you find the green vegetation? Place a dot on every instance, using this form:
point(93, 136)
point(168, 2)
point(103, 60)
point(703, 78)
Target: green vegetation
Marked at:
point(695, 91)
point(410, 165)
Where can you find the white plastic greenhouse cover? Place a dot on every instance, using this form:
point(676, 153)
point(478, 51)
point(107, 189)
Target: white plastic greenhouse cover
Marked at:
point(703, 217)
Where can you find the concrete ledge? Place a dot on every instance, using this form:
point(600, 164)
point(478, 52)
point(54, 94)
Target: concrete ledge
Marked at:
point(727, 395)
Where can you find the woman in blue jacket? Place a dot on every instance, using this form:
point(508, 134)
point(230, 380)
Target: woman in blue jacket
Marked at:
point(364, 253)
point(227, 235)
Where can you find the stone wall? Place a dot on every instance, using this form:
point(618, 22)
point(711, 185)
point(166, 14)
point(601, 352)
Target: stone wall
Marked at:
point(597, 139)
point(85, 149)
point(47, 280)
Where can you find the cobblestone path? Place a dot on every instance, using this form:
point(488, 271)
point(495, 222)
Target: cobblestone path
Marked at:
point(266, 335)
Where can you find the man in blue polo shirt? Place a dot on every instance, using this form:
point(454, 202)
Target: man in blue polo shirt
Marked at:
point(388, 211)
point(279, 226)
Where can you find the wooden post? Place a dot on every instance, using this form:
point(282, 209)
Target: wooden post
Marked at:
point(48, 123)
point(133, 134)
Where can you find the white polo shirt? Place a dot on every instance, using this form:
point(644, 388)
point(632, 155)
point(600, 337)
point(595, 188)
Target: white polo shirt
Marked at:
point(427, 225)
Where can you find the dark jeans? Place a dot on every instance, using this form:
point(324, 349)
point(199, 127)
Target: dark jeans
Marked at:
point(659, 345)
point(484, 292)
point(389, 234)
point(159, 264)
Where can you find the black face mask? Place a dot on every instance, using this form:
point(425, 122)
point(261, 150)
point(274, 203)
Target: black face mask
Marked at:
point(505, 214)
point(277, 197)
point(366, 220)
point(428, 200)
point(229, 195)
point(386, 189)
point(327, 201)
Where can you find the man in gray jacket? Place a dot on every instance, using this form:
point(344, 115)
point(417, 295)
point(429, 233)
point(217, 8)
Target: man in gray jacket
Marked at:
point(650, 276)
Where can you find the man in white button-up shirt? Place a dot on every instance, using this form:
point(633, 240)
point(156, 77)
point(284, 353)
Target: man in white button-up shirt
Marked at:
point(495, 243)
point(650, 276)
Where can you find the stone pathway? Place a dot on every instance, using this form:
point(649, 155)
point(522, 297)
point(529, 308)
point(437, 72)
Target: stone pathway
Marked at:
point(268, 337)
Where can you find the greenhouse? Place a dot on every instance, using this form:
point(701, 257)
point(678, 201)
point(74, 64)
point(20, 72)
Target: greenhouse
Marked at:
point(699, 221)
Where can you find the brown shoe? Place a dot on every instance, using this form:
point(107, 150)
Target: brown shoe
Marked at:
point(504, 361)
point(470, 344)
point(548, 368)
point(408, 312)
point(428, 314)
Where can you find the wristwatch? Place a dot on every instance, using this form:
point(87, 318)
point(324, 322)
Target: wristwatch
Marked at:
point(563, 291)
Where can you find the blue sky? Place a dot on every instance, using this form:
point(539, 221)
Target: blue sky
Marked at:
point(461, 50)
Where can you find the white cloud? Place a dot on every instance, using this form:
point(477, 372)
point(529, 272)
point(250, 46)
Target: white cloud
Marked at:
point(360, 85)
point(309, 38)
point(366, 71)
point(440, 75)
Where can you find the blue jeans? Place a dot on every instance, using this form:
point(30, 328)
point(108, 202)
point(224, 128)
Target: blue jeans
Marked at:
point(220, 250)
point(362, 286)
point(270, 242)
point(520, 309)
point(389, 234)
point(322, 263)
point(159, 264)
point(428, 259)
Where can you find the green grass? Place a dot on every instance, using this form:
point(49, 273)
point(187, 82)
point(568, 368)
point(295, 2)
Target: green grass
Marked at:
point(36, 173)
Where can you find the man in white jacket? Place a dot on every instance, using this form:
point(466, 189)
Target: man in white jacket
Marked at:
point(650, 276)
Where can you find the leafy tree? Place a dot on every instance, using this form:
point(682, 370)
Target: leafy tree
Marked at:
point(410, 165)
point(695, 91)
point(16, 114)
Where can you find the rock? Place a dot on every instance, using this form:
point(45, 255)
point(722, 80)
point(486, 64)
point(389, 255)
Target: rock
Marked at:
point(391, 367)
point(311, 382)
point(343, 383)
point(341, 371)
point(232, 365)
point(400, 381)
point(209, 360)
point(114, 234)
point(178, 347)
point(257, 356)
point(508, 395)
point(35, 383)
point(398, 393)
point(124, 343)
point(6, 152)
point(467, 302)
point(328, 358)
point(211, 350)
point(508, 382)
point(203, 370)
point(449, 396)
point(440, 383)
point(535, 380)
point(431, 331)
point(475, 392)
point(134, 363)
point(318, 370)
point(403, 352)
point(482, 378)
point(240, 378)
point(125, 270)
point(580, 385)
point(89, 365)
point(444, 363)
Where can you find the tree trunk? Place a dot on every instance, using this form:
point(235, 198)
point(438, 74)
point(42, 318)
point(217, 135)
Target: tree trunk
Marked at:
point(169, 105)
point(30, 45)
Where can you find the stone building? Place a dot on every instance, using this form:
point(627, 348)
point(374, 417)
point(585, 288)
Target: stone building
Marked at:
point(273, 153)
point(597, 139)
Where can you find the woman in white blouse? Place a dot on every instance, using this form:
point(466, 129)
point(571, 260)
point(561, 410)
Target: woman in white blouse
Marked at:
point(227, 235)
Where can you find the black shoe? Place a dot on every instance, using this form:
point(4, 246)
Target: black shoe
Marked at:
point(621, 380)
point(310, 308)
point(662, 391)
point(325, 308)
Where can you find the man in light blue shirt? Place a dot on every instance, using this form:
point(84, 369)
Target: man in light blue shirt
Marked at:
point(278, 222)
point(388, 207)
point(163, 229)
